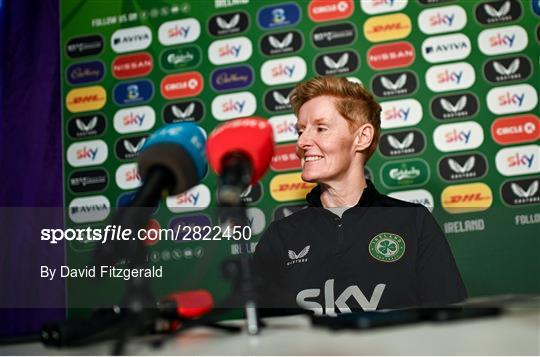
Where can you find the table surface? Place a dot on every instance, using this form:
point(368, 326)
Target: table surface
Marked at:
point(513, 333)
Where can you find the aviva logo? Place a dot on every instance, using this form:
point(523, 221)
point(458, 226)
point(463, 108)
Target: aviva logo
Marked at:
point(86, 99)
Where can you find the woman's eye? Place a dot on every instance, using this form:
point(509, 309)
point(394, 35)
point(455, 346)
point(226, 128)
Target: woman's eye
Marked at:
point(321, 129)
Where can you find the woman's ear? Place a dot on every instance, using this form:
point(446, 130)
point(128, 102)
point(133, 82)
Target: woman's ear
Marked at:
point(364, 137)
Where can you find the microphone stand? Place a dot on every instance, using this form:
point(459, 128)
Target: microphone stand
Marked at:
point(232, 182)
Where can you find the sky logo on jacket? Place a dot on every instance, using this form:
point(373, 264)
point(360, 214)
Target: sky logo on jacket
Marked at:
point(330, 303)
point(502, 40)
point(179, 31)
point(442, 19)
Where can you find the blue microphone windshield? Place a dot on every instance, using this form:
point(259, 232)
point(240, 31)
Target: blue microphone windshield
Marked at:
point(187, 135)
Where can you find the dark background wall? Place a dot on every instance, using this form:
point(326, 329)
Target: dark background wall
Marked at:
point(30, 158)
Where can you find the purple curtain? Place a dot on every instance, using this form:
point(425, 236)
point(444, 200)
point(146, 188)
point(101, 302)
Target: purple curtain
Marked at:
point(30, 160)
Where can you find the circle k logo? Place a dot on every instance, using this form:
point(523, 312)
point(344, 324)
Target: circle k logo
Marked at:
point(324, 10)
point(514, 130)
point(471, 197)
point(182, 85)
point(387, 27)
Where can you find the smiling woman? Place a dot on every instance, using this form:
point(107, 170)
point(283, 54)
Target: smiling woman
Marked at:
point(351, 241)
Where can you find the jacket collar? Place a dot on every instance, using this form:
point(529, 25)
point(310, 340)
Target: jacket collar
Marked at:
point(313, 198)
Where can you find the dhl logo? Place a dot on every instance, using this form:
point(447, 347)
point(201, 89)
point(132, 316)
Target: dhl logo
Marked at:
point(86, 99)
point(289, 187)
point(473, 197)
point(387, 27)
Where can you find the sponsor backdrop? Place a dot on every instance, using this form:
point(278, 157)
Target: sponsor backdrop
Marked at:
point(457, 82)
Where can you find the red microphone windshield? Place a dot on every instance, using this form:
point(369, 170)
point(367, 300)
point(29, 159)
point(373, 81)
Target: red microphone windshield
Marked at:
point(192, 304)
point(252, 136)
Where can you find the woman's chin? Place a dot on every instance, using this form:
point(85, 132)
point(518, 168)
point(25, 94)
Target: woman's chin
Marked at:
point(308, 177)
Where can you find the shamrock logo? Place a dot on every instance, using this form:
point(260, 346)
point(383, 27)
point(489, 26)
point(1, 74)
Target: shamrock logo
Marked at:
point(387, 247)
